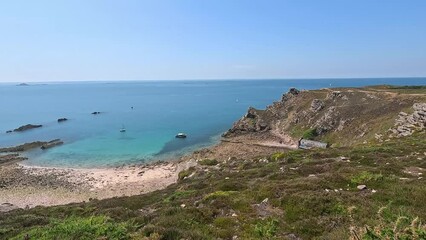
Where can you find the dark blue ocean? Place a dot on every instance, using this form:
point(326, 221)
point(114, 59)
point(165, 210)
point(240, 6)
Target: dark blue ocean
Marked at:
point(201, 109)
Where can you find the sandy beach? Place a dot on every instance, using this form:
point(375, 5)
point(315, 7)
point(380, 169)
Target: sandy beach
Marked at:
point(29, 186)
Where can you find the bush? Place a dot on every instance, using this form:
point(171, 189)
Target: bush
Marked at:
point(185, 173)
point(277, 156)
point(208, 162)
point(310, 134)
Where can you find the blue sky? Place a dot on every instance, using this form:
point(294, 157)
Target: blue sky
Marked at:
point(211, 39)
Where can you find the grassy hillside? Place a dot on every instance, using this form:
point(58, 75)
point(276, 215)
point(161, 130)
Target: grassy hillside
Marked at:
point(310, 194)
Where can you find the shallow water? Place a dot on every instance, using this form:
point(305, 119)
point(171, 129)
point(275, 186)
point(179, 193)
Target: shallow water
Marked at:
point(161, 109)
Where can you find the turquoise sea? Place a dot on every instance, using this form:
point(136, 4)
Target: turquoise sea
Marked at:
point(161, 109)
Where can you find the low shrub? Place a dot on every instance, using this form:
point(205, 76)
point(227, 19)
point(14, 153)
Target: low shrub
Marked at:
point(208, 162)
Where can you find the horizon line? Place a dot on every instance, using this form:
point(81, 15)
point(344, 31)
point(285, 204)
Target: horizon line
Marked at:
point(205, 79)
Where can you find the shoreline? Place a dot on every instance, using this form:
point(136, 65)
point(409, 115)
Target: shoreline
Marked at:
point(27, 186)
point(23, 186)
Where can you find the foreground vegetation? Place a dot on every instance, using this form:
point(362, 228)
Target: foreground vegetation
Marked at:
point(305, 194)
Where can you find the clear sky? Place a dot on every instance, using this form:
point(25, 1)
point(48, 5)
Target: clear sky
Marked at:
point(71, 40)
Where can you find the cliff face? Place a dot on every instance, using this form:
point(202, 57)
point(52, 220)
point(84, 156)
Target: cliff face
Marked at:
point(339, 116)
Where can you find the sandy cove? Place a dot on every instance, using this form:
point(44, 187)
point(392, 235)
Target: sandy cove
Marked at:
point(28, 186)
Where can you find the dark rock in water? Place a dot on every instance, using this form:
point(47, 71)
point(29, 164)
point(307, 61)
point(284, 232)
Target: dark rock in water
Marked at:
point(62, 119)
point(26, 127)
point(51, 144)
point(9, 131)
point(95, 113)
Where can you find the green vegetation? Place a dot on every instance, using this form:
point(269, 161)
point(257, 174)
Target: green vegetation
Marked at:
point(81, 228)
point(266, 229)
point(408, 87)
point(208, 162)
point(277, 156)
point(310, 134)
point(366, 177)
point(185, 173)
point(392, 226)
point(311, 194)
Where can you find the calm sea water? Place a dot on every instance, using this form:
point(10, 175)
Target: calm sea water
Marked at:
point(201, 109)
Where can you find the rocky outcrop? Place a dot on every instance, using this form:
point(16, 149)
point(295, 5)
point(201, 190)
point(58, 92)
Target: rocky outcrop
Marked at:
point(52, 144)
point(406, 124)
point(26, 127)
point(317, 105)
point(292, 92)
point(251, 122)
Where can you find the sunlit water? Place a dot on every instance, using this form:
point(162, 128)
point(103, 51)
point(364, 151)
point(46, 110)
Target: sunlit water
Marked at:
point(201, 109)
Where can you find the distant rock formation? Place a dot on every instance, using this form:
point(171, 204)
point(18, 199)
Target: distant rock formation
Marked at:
point(26, 127)
point(23, 84)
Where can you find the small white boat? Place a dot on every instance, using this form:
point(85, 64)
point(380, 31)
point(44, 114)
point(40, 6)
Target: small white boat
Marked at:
point(181, 135)
point(122, 129)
